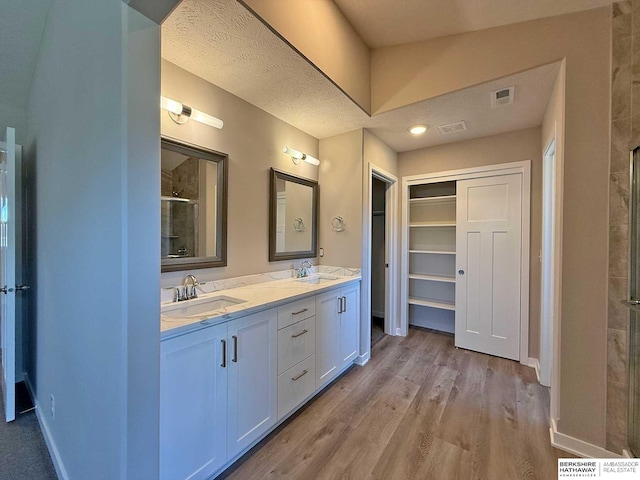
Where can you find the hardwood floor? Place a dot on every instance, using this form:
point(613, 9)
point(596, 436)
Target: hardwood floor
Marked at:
point(420, 409)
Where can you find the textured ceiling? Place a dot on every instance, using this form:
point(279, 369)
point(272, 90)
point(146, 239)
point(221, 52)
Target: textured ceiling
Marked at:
point(21, 26)
point(392, 22)
point(226, 45)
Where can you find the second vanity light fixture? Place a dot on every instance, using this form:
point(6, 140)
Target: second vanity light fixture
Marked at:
point(181, 113)
point(296, 156)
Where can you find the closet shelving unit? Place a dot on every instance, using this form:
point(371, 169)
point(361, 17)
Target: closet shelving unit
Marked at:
point(431, 255)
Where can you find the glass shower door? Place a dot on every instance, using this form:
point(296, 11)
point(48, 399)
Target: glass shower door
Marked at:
point(633, 425)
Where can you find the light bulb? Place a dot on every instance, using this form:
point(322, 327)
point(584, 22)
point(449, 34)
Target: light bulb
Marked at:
point(202, 117)
point(171, 105)
point(418, 129)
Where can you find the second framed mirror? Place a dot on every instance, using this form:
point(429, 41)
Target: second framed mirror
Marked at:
point(293, 217)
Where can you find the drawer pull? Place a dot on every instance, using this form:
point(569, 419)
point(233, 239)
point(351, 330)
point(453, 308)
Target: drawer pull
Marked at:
point(301, 311)
point(300, 334)
point(304, 372)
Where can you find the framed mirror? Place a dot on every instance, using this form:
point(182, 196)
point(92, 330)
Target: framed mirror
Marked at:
point(193, 199)
point(293, 217)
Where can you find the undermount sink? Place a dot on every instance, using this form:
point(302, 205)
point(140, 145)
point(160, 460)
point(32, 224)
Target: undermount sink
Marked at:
point(179, 311)
point(317, 279)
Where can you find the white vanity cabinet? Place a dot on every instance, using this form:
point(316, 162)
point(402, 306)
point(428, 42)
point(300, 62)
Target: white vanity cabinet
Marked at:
point(337, 331)
point(193, 404)
point(218, 394)
point(252, 401)
point(224, 387)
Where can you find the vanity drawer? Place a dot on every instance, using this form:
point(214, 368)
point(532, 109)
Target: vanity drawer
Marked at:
point(294, 385)
point(295, 311)
point(295, 343)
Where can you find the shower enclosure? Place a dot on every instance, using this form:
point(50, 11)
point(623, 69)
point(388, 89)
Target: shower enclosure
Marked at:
point(633, 427)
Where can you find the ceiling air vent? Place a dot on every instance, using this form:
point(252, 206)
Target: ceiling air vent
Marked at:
point(502, 97)
point(452, 127)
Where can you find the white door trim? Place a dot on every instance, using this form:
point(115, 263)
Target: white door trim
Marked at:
point(391, 255)
point(523, 168)
point(549, 266)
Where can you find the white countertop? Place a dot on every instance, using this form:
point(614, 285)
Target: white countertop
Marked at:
point(256, 297)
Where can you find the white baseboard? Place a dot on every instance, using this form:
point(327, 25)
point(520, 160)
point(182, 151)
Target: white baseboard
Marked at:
point(46, 433)
point(576, 446)
point(362, 359)
point(399, 332)
point(535, 364)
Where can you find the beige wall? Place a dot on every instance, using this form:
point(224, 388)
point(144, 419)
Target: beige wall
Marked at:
point(413, 72)
point(318, 30)
point(376, 152)
point(341, 195)
point(504, 148)
point(253, 139)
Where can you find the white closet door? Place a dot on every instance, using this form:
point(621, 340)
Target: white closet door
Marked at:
point(488, 259)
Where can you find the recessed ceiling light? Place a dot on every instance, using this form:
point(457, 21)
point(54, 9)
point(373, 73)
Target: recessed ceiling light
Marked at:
point(418, 129)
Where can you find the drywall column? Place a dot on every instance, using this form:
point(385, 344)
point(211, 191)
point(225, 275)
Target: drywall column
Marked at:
point(92, 176)
point(141, 175)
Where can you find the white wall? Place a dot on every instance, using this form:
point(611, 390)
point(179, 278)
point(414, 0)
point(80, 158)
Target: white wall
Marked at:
point(94, 231)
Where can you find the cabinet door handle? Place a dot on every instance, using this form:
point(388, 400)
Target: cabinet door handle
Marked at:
point(299, 312)
point(224, 354)
point(339, 304)
point(299, 334)
point(344, 299)
point(304, 372)
point(235, 349)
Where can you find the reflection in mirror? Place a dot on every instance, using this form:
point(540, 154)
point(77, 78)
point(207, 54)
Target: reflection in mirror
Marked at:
point(293, 229)
point(193, 207)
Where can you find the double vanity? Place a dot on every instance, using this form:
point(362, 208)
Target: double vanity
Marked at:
point(243, 356)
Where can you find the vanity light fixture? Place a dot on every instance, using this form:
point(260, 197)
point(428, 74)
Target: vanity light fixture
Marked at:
point(418, 129)
point(181, 113)
point(296, 156)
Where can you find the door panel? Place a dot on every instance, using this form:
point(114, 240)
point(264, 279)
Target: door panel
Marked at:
point(193, 404)
point(252, 344)
point(488, 246)
point(7, 271)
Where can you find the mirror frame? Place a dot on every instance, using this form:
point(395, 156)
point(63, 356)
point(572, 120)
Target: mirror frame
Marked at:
point(273, 208)
point(221, 159)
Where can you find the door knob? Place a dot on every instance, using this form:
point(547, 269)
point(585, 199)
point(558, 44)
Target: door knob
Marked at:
point(460, 272)
point(6, 290)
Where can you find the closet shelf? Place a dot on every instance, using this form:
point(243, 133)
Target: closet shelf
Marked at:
point(432, 224)
point(437, 252)
point(432, 303)
point(432, 278)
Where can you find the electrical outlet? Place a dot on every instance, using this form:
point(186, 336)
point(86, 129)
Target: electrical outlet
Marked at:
point(53, 407)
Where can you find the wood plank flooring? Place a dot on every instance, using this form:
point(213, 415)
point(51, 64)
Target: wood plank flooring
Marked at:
point(420, 409)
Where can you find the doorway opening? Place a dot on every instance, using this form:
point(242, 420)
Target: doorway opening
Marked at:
point(379, 287)
point(378, 259)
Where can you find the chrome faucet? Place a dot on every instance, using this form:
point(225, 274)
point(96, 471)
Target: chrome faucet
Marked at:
point(188, 290)
point(303, 271)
